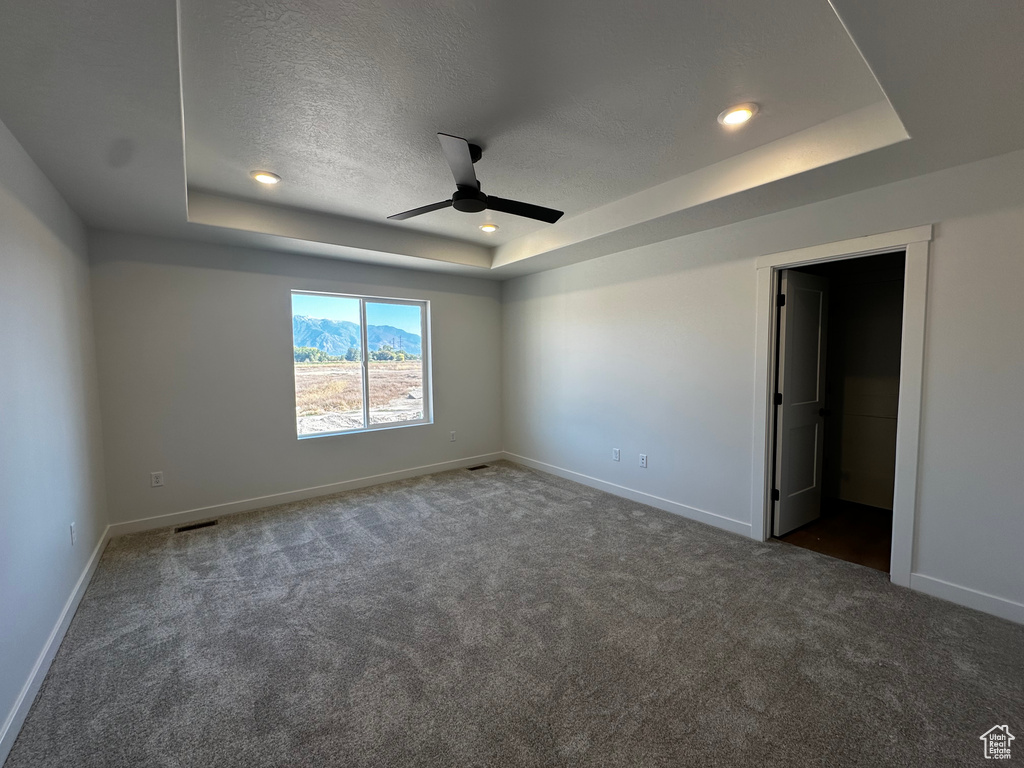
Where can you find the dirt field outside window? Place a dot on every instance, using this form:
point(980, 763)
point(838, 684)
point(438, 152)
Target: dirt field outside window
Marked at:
point(329, 396)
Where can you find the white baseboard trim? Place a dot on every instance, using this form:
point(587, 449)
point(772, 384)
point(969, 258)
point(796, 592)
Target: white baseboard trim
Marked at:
point(16, 717)
point(692, 513)
point(981, 601)
point(954, 593)
point(972, 598)
point(259, 502)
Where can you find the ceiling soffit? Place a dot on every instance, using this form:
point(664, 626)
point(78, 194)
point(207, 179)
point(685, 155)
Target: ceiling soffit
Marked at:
point(608, 114)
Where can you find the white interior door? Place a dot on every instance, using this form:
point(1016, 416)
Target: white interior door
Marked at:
point(799, 447)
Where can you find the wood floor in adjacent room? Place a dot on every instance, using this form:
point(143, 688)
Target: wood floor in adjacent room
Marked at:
point(852, 532)
point(507, 618)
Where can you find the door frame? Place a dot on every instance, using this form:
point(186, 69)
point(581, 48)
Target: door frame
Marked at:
point(915, 243)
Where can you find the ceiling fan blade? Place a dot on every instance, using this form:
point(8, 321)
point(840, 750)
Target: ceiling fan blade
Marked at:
point(423, 209)
point(523, 209)
point(456, 152)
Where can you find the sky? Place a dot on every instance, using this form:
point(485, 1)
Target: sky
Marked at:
point(404, 316)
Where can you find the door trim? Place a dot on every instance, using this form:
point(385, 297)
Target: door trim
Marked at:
point(915, 242)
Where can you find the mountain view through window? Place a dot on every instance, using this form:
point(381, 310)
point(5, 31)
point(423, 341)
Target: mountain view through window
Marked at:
point(359, 363)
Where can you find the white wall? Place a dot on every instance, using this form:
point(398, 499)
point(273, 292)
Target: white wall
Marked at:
point(50, 446)
point(652, 350)
point(195, 358)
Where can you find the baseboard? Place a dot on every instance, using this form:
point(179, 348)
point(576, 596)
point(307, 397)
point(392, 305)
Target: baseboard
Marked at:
point(981, 601)
point(954, 593)
point(16, 717)
point(692, 513)
point(259, 502)
point(971, 598)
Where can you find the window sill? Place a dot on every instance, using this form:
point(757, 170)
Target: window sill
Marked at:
point(364, 430)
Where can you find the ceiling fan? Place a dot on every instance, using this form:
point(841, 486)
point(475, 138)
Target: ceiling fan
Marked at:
point(468, 197)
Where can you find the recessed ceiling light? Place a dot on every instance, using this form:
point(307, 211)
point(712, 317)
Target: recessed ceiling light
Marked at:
point(738, 115)
point(265, 177)
point(489, 227)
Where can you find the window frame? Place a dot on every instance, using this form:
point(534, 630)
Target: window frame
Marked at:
point(364, 361)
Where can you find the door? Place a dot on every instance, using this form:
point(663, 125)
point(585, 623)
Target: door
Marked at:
point(800, 417)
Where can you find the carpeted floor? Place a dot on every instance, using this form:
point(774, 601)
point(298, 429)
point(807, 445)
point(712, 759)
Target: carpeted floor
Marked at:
point(507, 618)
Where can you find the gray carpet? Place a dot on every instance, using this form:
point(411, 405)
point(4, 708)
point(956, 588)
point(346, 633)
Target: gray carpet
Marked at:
point(507, 618)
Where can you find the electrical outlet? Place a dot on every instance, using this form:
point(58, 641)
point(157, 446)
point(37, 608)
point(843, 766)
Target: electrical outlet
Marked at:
point(643, 460)
point(615, 454)
point(453, 436)
point(74, 535)
point(156, 479)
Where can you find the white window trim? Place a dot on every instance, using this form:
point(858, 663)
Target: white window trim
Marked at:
point(428, 403)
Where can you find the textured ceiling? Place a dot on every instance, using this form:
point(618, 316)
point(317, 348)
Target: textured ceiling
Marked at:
point(576, 103)
point(91, 89)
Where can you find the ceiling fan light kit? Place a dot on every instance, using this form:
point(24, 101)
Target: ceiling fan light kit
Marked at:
point(468, 197)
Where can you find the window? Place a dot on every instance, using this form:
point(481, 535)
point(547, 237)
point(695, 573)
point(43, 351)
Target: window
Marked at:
point(360, 363)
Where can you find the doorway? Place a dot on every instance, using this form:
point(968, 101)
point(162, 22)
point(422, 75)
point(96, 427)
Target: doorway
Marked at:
point(915, 242)
point(837, 369)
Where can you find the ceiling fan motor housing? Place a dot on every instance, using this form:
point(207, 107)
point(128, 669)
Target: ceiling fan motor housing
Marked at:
point(469, 200)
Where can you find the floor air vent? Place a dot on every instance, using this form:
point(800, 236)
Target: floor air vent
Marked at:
point(192, 527)
point(478, 466)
